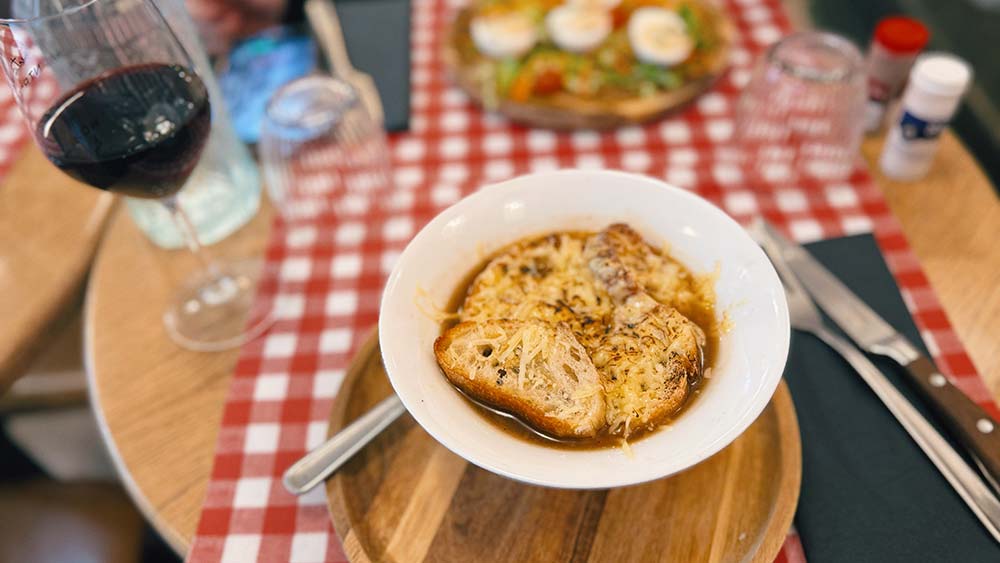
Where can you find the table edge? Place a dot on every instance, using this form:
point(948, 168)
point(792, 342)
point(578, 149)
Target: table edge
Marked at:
point(35, 339)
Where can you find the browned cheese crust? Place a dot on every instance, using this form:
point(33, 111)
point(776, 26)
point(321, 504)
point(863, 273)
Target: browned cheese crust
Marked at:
point(579, 333)
point(652, 353)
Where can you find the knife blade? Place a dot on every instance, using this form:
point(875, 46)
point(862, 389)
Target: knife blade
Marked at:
point(963, 418)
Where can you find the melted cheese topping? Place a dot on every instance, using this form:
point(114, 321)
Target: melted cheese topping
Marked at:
point(518, 355)
point(547, 279)
point(544, 279)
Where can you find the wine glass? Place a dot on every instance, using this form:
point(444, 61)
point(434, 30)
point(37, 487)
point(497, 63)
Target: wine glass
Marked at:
point(112, 99)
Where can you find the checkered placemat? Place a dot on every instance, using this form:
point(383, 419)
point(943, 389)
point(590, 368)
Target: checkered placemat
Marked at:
point(327, 275)
point(13, 133)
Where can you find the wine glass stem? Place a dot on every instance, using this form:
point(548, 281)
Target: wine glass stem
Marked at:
point(190, 235)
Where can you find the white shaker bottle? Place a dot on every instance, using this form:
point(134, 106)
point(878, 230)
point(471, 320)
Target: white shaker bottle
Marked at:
point(936, 86)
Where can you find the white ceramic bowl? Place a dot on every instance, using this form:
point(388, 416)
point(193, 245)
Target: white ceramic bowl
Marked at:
point(751, 355)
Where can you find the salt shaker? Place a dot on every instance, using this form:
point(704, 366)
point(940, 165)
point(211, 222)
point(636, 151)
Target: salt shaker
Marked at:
point(895, 45)
point(935, 89)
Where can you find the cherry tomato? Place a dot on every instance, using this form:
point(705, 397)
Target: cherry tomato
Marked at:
point(547, 82)
point(619, 16)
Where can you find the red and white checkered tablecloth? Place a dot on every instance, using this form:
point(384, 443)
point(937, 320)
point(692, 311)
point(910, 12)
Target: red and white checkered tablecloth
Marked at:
point(328, 275)
point(24, 70)
point(13, 134)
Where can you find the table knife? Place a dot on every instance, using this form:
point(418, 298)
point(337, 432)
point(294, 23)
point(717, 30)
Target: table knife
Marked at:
point(804, 316)
point(966, 420)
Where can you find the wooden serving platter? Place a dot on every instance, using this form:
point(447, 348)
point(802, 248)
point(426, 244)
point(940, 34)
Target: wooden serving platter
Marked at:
point(564, 111)
point(406, 498)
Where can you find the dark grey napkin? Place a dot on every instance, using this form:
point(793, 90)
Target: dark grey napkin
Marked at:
point(377, 34)
point(868, 492)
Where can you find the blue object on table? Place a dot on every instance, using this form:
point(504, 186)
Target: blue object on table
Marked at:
point(257, 67)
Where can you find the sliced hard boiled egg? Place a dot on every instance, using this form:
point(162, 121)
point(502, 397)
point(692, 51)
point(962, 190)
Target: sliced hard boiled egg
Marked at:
point(504, 35)
point(659, 36)
point(577, 28)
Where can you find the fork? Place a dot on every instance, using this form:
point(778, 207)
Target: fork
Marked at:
point(805, 317)
point(322, 16)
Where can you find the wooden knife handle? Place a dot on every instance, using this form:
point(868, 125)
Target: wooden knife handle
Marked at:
point(965, 419)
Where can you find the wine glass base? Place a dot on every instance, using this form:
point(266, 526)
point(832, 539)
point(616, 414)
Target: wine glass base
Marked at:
point(218, 310)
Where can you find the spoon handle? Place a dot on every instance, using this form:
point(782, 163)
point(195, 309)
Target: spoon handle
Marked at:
point(321, 462)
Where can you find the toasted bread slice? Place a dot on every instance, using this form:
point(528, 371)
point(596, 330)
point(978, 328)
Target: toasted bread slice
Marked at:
point(651, 353)
point(648, 361)
point(658, 274)
point(546, 279)
point(532, 369)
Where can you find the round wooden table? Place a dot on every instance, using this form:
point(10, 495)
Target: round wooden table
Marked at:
point(134, 370)
point(50, 226)
point(160, 406)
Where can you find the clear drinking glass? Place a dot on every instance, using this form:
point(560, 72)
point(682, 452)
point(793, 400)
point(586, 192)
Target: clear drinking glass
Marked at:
point(112, 99)
point(321, 150)
point(803, 109)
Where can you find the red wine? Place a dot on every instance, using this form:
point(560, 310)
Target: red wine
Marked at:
point(137, 130)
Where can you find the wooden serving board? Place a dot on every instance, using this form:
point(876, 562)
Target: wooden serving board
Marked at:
point(405, 498)
point(564, 111)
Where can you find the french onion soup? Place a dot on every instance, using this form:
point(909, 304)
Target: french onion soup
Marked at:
point(592, 339)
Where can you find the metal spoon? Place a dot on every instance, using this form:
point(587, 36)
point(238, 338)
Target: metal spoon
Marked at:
point(510, 416)
point(320, 463)
point(317, 465)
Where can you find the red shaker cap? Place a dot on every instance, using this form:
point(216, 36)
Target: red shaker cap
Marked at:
point(901, 34)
